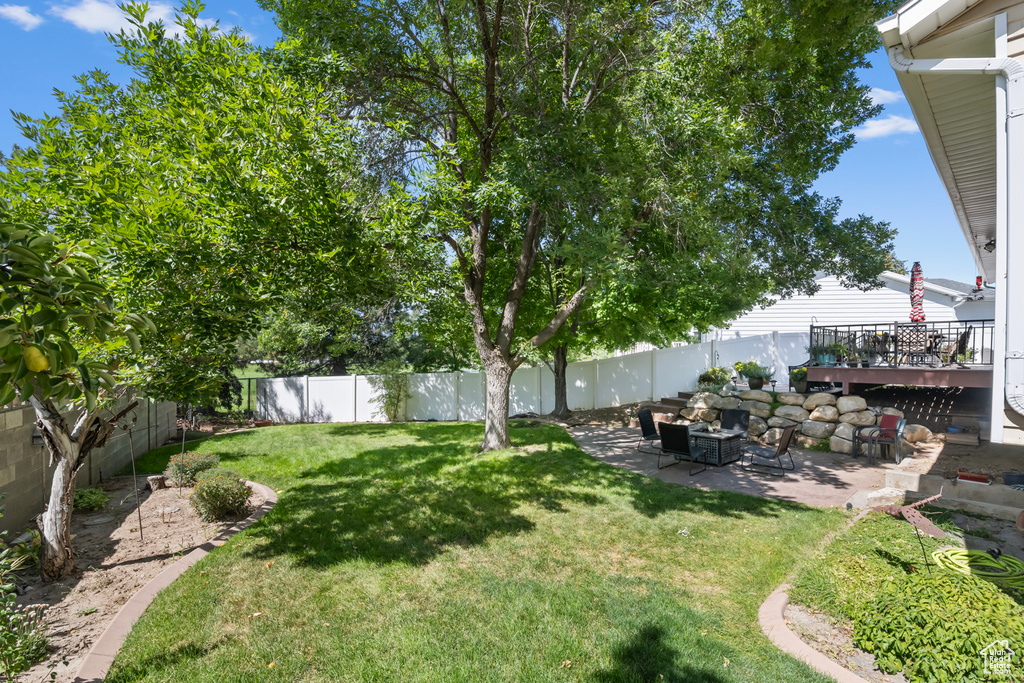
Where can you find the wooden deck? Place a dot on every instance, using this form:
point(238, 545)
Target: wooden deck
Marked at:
point(856, 379)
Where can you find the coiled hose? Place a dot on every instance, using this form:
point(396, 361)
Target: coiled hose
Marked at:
point(1003, 570)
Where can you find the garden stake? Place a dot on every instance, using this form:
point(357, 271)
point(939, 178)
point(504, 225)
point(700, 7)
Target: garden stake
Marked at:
point(181, 459)
point(135, 482)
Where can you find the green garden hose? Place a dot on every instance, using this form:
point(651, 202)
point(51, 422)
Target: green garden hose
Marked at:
point(1004, 570)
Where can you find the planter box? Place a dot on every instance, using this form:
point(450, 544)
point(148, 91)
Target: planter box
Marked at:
point(262, 423)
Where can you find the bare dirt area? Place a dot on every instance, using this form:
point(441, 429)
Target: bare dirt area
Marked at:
point(609, 417)
point(835, 641)
point(113, 562)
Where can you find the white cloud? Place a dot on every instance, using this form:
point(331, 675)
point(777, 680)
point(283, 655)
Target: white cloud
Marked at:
point(20, 15)
point(890, 125)
point(881, 96)
point(103, 16)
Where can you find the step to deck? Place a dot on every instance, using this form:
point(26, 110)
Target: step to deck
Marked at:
point(994, 500)
point(669, 401)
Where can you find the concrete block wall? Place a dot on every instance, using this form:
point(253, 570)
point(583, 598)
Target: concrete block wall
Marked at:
point(25, 474)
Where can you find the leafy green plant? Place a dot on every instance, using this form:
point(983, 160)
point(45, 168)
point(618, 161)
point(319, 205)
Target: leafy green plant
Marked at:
point(219, 494)
point(934, 627)
point(185, 467)
point(798, 375)
point(22, 631)
point(751, 369)
point(91, 500)
point(821, 446)
point(392, 384)
point(715, 376)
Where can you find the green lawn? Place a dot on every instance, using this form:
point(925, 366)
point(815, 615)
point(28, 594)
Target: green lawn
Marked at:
point(396, 554)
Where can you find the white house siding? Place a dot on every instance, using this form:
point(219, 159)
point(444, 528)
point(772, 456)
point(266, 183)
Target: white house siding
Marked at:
point(834, 304)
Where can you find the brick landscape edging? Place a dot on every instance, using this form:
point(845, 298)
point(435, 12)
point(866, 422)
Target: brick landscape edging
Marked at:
point(772, 617)
point(101, 655)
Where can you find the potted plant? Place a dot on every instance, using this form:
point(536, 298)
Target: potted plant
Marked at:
point(838, 352)
point(854, 358)
point(755, 374)
point(822, 355)
point(798, 380)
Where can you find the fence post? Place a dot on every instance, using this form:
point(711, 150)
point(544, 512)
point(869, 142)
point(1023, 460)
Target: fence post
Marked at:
point(355, 398)
point(654, 373)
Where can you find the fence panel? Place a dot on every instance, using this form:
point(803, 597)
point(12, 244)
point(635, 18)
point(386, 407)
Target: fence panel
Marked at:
point(581, 385)
point(524, 394)
point(625, 379)
point(432, 396)
point(331, 399)
point(282, 399)
point(676, 369)
point(472, 399)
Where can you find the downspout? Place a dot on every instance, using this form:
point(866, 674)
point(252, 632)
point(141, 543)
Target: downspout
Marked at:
point(1012, 241)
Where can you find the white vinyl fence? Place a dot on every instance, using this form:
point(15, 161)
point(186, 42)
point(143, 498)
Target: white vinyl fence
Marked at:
point(603, 383)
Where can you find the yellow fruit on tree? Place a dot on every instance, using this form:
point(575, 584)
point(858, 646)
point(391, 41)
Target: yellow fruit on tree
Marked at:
point(35, 359)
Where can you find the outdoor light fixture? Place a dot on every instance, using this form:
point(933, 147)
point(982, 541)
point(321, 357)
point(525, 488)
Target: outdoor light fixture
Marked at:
point(990, 246)
point(773, 381)
point(37, 438)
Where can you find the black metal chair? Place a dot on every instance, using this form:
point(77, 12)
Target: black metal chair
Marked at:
point(864, 433)
point(887, 436)
point(771, 455)
point(736, 420)
point(648, 431)
point(952, 353)
point(675, 441)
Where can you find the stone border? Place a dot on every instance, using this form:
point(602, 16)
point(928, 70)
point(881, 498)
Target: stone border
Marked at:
point(94, 667)
point(772, 617)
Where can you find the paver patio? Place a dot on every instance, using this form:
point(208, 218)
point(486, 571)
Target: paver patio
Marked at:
point(820, 479)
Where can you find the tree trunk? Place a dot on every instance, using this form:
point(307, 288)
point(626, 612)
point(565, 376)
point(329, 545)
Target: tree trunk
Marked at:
point(57, 560)
point(560, 368)
point(498, 373)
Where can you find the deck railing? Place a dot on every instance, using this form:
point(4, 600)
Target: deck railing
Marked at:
point(954, 342)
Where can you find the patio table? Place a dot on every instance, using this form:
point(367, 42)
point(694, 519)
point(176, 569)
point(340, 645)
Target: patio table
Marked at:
point(721, 447)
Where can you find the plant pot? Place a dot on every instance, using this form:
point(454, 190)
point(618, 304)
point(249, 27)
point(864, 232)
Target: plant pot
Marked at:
point(826, 359)
point(755, 382)
point(800, 387)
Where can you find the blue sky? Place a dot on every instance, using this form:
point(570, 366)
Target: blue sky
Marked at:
point(888, 174)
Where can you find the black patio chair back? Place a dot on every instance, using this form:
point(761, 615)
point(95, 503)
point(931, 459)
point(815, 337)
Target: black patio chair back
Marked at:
point(770, 459)
point(736, 419)
point(675, 442)
point(648, 430)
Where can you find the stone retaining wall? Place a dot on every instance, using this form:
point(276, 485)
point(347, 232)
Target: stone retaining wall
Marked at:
point(816, 416)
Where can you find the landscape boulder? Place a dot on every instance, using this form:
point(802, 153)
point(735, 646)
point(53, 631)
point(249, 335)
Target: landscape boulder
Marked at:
point(724, 402)
point(756, 395)
point(858, 418)
point(818, 430)
point(791, 399)
point(795, 413)
point(915, 433)
point(702, 399)
point(822, 399)
point(707, 415)
point(772, 436)
point(757, 426)
point(781, 422)
point(892, 411)
point(844, 431)
point(840, 445)
point(757, 409)
point(824, 414)
point(851, 404)
point(689, 413)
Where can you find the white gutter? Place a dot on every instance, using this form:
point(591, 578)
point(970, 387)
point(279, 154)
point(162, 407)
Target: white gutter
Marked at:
point(1010, 221)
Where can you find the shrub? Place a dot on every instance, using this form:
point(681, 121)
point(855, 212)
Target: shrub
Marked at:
point(91, 500)
point(715, 377)
point(186, 466)
point(392, 385)
point(934, 627)
point(219, 493)
point(22, 632)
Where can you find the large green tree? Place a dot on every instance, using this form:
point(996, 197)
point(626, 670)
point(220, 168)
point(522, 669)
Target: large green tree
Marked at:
point(209, 190)
point(579, 127)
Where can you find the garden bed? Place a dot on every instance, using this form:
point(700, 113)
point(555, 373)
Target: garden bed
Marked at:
point(112, 565)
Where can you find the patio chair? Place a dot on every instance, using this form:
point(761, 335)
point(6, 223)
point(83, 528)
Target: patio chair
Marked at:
point(675, 441)
point(774, 464)
point(863, 434)
point(891, 438)
point(951, 352)
point(736, 419)
point(912, 344)
point(648, 431)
